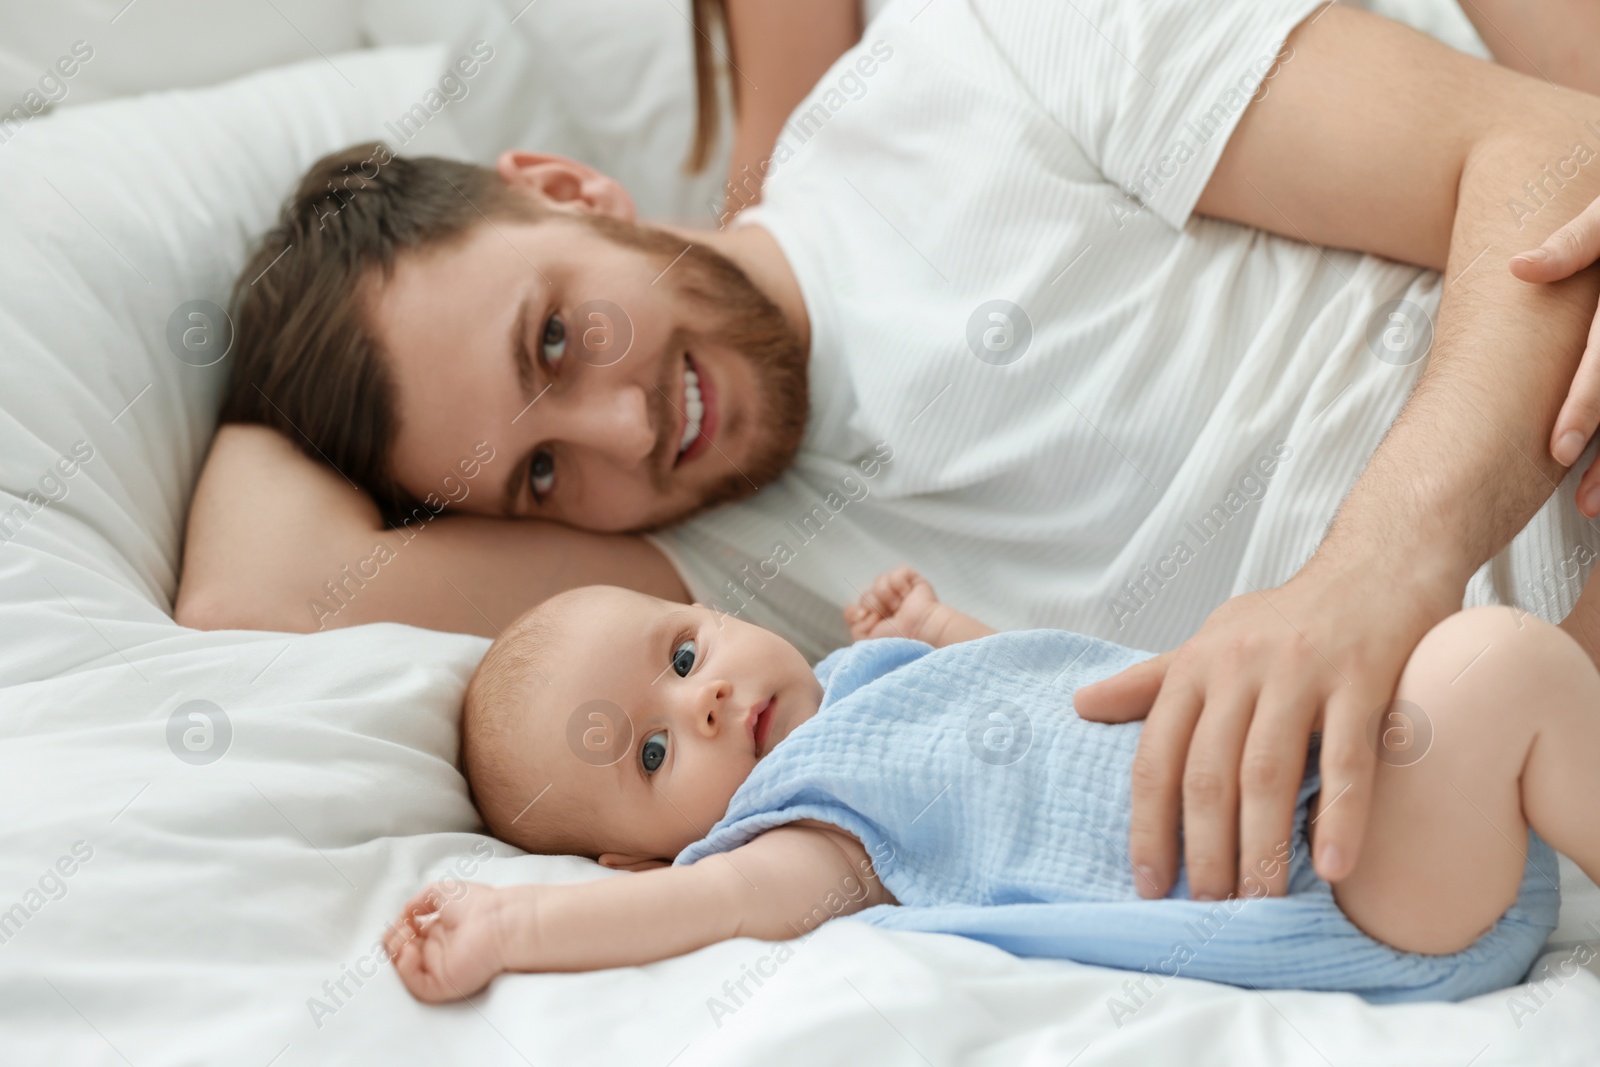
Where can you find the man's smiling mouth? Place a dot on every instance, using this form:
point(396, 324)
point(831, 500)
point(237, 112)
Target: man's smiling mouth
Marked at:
point(699, 411)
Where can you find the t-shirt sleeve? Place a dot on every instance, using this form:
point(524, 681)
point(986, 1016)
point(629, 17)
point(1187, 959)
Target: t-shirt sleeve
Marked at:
point(1150, 89)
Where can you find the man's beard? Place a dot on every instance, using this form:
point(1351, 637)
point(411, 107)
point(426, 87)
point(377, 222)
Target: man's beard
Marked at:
point(739, 317)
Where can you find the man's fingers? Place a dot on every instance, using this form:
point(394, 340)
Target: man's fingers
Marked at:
point(1347, 762)
point(1565, 252)
point(1270, 773)
point(1211, 794)
point(1126, 695)
point(1580, 413)
point(1157, 783)
point(1588, 492)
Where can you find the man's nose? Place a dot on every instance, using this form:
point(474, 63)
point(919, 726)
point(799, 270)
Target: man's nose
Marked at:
point(613, 420)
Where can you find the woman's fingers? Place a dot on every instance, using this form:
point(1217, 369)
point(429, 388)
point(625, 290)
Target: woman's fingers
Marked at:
point(1565, 252)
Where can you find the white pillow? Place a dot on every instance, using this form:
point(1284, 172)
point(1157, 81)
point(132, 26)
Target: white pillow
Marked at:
point(199, 827)
point(162, 44)
point(117, 216)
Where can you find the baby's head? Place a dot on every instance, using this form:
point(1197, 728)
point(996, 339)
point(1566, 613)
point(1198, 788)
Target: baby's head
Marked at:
point(611, 724)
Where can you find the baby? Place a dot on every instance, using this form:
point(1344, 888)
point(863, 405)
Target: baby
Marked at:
point(934, 776)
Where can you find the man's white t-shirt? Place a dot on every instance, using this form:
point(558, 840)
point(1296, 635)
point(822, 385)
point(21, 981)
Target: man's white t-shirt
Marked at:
point(1035, 375)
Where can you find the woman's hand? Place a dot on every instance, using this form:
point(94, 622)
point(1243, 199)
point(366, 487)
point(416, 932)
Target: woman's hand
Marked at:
point(449, 941)
point(1567, 251)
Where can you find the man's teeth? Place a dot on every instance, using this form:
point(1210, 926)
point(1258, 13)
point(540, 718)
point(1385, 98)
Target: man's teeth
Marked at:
point(695, 409)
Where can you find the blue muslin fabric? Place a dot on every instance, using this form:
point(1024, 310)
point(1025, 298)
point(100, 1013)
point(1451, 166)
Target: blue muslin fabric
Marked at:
point(992, 811)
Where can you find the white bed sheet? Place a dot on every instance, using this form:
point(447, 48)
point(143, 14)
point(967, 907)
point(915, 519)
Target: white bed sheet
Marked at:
point(213, 909)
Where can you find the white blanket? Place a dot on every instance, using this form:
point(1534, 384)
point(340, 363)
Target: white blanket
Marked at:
point(184, 883)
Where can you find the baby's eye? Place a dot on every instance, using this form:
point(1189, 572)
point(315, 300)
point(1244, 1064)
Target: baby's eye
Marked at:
point(683, 658)
point(554, 343)
point(653, 753)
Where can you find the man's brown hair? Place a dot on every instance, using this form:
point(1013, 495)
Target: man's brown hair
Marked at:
point(305, 360)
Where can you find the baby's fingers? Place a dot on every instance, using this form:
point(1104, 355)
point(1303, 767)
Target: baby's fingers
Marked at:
point(429, 901)
point(420, 965)
point(884, 594)
point(890, 589)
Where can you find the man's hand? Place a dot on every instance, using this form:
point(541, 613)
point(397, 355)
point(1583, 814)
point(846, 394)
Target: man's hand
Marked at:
point(1322, 652)
point(1379, 140)
point(1570, 249)
point(448, 942)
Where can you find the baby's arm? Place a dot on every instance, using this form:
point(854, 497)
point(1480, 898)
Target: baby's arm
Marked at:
point(901, 603)
point(778, 886)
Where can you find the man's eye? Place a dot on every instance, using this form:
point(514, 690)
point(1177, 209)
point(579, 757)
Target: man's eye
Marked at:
point(542, 473)
point(653, 752)
point(554, 343)
point(683, 659)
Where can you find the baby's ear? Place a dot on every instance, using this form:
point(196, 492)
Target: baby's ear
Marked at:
point(619, 862)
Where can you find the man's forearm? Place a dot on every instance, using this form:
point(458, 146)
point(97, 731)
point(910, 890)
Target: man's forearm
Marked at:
point(278, 541)
point(1467, 463)
point(1378, 139)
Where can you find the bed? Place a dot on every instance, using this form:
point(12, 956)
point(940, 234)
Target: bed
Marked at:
point(204, 834)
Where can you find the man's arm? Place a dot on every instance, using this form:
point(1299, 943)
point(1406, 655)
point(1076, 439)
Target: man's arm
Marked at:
point(277, 541)
point(1374, 138)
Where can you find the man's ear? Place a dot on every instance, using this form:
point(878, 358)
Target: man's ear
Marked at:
point(619, 862)
point(566, 184)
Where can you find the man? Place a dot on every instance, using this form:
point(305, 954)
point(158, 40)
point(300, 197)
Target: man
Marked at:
point(1031, 371)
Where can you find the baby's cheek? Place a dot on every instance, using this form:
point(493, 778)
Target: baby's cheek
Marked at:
point(713, 792)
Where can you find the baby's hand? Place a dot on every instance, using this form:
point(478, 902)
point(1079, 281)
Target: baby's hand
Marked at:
point(447, 944)
point(899, 603)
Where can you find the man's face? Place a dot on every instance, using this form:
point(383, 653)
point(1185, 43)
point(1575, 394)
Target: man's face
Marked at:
point(620, 385)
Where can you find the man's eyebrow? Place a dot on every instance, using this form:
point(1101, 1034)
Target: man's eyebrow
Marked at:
point(520, 356)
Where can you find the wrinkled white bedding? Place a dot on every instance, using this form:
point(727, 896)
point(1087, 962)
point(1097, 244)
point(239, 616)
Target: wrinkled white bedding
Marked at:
point(156, 908)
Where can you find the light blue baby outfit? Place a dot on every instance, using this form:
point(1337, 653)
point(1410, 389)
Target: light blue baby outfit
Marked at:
point(992, 811)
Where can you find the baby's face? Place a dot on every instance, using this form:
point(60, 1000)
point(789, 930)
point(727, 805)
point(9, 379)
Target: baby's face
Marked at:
point(657, 712)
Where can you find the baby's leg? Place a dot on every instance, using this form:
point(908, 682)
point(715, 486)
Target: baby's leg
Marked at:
point(1513, 706)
